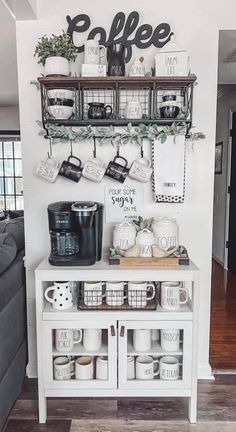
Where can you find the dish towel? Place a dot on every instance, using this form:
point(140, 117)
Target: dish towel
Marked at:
point(168, 159)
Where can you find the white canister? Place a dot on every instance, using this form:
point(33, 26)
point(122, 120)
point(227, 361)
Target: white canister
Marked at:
point(145, 239)
point(124, 235)
point(166, 232)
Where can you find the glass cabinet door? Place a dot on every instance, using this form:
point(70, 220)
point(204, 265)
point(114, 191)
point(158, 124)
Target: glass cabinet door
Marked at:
point(79, 354)
point(155, 354)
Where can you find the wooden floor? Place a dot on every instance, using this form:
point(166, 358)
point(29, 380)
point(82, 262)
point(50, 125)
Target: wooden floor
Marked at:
point(216, 412)
point(223, 319)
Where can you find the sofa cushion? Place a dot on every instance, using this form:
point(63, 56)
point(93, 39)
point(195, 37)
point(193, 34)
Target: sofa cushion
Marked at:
point(11, 280)
point(8, 251)
point(16, 228)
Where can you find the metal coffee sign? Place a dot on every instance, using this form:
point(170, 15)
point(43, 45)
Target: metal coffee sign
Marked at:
point(125, 30)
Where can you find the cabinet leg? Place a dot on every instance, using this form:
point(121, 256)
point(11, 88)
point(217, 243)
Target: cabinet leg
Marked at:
point(42, 405)
point(192, 409)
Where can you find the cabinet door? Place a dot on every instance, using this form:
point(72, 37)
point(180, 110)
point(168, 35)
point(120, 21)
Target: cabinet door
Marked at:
point(150, 356)
point(93, 359)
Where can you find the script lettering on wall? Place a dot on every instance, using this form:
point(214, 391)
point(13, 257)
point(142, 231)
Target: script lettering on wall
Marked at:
point(126, 31)
point(123, 203)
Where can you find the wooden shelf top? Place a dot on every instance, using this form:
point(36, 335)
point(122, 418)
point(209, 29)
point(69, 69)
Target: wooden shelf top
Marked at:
point(113, 79)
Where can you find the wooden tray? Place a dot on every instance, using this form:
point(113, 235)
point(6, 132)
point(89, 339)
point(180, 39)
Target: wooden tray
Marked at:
point(169, 261)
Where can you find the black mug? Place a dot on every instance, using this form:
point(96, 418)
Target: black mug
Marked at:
point(70, 170)
point(117, 171)
point(98, 110)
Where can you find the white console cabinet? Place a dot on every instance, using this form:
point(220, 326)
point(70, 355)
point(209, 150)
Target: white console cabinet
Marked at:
point(117, 329)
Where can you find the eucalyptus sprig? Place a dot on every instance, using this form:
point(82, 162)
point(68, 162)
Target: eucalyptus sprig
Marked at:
point(125, 135)
point(56, 45)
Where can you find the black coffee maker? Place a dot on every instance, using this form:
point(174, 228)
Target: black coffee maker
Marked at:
point(76, 230)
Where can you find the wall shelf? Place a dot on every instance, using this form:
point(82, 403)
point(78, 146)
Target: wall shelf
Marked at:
point(117, 92)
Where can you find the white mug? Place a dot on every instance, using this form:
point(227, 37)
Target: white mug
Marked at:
point(170, 339)
point(62, 368)
point(48, 169)
point(84, 368)
point(102, 368)
point(115, 293)
point(142, 339)
point(92, 339)
point(94, 169)
point(134, 110)
point(93, 52)
point(93, 293)
point(65, 339)
point(170, 295)
point(130, 368)
point(138, 293)
point(141, 170)
point(62, 297)
point(169, 368)
point(145, 368)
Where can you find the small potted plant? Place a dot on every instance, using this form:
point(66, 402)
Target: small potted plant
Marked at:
point(55, 52)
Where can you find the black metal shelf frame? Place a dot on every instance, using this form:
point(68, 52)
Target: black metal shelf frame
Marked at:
point(117, 93)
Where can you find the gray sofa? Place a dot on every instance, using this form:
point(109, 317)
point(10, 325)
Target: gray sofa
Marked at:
point(13, 335)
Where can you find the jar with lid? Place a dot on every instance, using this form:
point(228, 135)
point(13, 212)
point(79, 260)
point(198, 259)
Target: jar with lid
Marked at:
point(166, 232)
point(145, 239)
point(124, 235)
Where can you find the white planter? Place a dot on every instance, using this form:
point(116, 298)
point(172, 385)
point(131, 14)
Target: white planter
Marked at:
point(57, 66)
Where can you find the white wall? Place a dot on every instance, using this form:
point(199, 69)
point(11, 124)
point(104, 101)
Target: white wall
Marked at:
point(9, 118)
point(196, 29)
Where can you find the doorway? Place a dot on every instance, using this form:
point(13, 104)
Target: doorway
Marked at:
point(223, 308)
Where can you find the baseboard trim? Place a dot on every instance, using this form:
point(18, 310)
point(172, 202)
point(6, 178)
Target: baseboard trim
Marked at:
point(205, 372)
point(218, 261)
point(31, 371)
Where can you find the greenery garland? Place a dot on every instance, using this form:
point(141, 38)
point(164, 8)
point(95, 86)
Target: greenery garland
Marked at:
point(125, 135)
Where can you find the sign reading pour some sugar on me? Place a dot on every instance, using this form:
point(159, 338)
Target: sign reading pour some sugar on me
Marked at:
point(123, 203)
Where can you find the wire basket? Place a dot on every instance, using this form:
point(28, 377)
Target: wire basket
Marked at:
point(109, 299)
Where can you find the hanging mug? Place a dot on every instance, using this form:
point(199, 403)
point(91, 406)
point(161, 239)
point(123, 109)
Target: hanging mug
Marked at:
point(94, 169)
point(141, 170)
point(70, 170)
point(48, 169)
point(116, 171)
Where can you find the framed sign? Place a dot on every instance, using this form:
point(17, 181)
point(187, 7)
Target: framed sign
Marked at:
point(219, 158)
point(123, 203)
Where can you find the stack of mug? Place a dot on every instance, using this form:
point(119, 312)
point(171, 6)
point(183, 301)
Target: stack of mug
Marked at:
point(83, 367)
point(116, 294)
point(148, 366)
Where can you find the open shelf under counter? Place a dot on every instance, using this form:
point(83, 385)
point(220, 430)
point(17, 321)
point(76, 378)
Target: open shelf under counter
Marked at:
point(79, 350)
point(102, 271)
point(184, 313)
point(154, 350)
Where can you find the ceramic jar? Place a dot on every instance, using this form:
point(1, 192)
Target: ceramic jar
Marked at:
point(124, 235)
point(145, 239)
point(166, 232)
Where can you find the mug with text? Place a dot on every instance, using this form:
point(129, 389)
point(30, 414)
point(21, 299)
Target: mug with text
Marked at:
point(65, 339)
point(170, 295)
point(62, 368)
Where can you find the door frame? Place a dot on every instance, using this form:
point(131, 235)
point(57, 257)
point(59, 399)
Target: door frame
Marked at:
point(228, 178)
